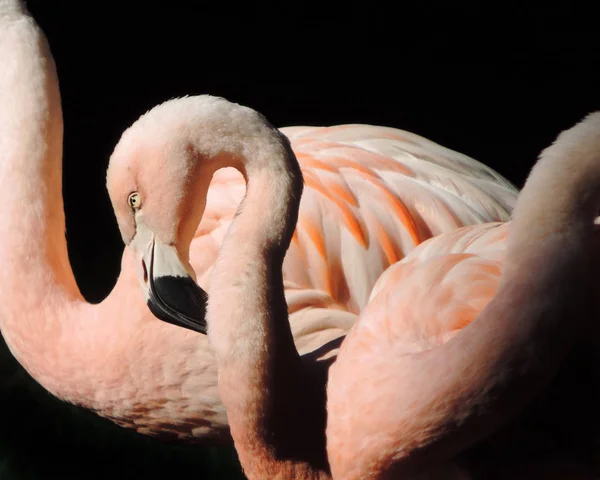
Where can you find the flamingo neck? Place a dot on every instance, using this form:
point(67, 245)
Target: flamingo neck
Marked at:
point(37, 284)
point(274, 410)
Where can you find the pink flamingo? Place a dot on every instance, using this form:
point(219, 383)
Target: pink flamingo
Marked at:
point(115, 357)
point(417, 380)
point(472, 325)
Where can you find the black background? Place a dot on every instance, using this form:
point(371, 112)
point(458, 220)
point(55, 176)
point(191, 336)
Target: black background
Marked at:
point(496, 83)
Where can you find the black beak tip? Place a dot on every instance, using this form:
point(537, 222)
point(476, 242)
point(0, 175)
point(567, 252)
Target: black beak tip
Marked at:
point(178, 301)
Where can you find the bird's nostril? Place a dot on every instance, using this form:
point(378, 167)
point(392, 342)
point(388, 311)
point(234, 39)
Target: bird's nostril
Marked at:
point(145, 270)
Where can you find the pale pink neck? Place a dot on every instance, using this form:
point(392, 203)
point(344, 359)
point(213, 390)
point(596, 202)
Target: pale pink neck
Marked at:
point(275, 409)
point(103, 357)
point(38, 291)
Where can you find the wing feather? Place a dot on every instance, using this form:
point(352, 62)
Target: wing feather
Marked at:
point(373, 194)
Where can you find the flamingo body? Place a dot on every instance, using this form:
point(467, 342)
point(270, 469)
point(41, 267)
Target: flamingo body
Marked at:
point(341, 241)
point(372, 194)
point(410, 355)
point(456, 339)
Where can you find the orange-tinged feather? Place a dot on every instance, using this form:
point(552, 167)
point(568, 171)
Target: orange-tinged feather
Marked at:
point(348, 217)
point(360, 155)
point(387, 245)
point(295, 237)
point(314, 233)
point(461, 317)
point(343, 193)
point(353, 225)
point(308, 161)
point(320, 145)
point(399, 209)
point(341, 162)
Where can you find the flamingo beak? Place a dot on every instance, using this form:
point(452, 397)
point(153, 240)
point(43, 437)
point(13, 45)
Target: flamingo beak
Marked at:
point(168, 283)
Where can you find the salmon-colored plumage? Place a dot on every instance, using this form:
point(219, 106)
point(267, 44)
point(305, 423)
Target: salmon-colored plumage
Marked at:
point(115, 357)
point(388, 414)
point(342, 243)
point(452, 341)
point(364, 206)
point(468, 337)
point(467, 321)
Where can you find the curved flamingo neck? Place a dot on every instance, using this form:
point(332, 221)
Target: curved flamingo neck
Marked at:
point(275, 411)
point(38, 292)
point(31, 149)
point(97, 356)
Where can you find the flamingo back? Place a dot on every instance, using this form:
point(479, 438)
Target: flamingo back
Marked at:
point(372, 195)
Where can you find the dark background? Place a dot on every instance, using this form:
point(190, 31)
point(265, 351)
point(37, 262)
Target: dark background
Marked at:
point(497, 84)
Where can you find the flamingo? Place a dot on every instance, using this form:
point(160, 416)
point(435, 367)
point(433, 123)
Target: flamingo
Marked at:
point(419, 378)
point(116, 358)
point(472, 325)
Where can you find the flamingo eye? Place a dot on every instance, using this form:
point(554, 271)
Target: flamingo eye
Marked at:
point(134, 200)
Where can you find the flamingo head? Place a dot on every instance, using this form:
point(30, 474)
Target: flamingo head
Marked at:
point(158, 181)
point(156, 190)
